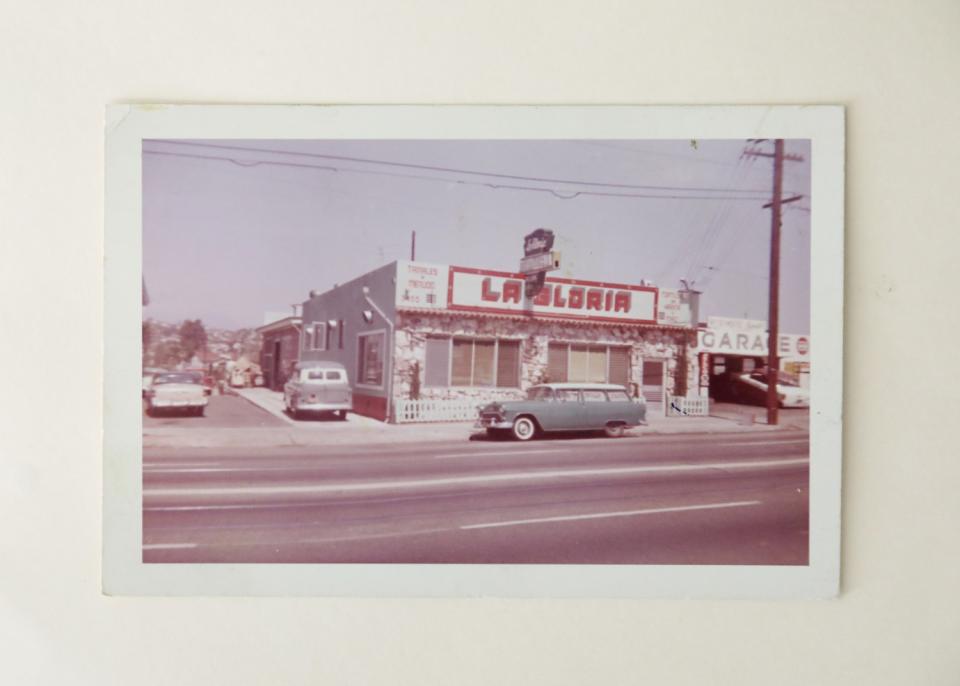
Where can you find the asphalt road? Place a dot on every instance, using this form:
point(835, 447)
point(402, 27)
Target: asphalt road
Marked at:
point(709, 499)
point(223, 411)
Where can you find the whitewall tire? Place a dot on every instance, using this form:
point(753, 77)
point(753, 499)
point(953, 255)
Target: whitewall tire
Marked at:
point(523, 429)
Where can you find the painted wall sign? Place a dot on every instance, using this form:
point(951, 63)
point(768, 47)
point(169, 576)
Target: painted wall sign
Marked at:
point(671, 309)
point(737, 325)
point(502, 292)
point(422, 285)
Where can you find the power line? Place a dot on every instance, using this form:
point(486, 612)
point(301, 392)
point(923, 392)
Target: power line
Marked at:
point(718, 223)
point(563, 195)
point(656, 153)
point(426, 167)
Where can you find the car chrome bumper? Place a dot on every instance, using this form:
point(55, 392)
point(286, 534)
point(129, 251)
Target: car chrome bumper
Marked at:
point(322, 407)
point(492, 424)
point(178, 403)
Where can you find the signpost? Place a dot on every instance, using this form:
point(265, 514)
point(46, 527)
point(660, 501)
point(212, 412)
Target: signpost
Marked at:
point(539, 258)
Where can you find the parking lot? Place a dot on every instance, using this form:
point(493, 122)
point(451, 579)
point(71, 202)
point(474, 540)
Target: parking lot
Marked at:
point(223, 411)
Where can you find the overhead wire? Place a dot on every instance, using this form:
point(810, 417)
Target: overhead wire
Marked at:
point(562, 195)
point(693, 246)
point(717, 224)
point(454, 170)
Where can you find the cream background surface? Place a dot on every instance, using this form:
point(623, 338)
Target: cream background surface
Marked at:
point(893, 64)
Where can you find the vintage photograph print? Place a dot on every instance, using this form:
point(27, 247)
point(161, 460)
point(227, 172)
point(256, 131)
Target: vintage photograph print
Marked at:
point(577, 351)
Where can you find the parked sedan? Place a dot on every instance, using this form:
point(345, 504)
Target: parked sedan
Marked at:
point(176, 391)
point(148, 374)
point(565, 407)
point(318, 387)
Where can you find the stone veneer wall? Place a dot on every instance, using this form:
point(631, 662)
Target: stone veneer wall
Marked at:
point(652, 343)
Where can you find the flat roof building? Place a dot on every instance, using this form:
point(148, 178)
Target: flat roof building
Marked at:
point(428, 342)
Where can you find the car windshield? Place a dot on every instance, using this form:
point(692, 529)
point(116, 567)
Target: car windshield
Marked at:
point(783, 378)
point(540, 393)
point(787, 379)
point(176, 378)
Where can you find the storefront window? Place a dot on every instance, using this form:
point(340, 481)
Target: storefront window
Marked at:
point(370, 350)
point(508, 364)
point(483, 370)
point(588, 363)
point(472, 362)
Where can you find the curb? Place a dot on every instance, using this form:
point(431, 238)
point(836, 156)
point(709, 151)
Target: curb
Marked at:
point(286, 438)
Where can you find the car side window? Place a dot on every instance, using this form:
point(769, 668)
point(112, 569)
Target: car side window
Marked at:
point(546, 395)
point(333, 376)
point(594, 396)
point(618, 396)
point(568, 395)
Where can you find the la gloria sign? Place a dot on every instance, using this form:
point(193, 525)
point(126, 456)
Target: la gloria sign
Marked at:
point(503, 292)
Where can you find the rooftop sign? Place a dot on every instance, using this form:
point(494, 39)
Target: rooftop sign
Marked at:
point(493, 292)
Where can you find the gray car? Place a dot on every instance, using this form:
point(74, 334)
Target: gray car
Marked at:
point(565, 407)
point(318, 387)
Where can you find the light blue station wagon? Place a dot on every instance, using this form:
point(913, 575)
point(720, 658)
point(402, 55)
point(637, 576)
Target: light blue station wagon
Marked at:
point(565, 407)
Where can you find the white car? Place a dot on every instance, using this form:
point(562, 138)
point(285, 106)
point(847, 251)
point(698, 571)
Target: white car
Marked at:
point(318, 387)
point(176, 391)
point(148, 375)
point(789, 392)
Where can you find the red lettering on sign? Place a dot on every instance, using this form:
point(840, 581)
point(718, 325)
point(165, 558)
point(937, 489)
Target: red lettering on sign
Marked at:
point(558, 299)
point(607, 300)
point(594, 299)
point(621, 301)
point(803, 345)
point(576, 298)
point(487, 292)
point(543, 297)
point(512, 290)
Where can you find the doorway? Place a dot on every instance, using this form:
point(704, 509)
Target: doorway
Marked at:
point(652, 383)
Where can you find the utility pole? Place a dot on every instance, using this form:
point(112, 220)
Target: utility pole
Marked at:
point(773, 316)
point(413, 246)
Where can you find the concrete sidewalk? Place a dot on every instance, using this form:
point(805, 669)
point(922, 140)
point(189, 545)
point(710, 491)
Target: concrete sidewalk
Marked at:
point(357, 430)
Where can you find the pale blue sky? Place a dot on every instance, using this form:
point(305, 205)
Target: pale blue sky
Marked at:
point(246, 231)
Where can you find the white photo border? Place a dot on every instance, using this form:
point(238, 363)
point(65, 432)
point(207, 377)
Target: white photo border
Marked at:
point(127, 126)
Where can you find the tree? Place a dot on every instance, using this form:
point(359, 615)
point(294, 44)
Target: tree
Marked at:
point(146, 339)
point(167, 354)
point(193, 338)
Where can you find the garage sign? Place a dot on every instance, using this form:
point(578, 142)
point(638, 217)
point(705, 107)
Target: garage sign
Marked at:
point(750, 342)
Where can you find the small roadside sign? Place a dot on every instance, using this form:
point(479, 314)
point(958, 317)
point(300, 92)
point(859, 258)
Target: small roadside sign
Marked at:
point(538, 259)
point(544, 262)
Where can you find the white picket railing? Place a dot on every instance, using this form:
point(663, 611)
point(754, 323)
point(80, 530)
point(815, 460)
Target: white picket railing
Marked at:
point(436, 410)
point(681, 406)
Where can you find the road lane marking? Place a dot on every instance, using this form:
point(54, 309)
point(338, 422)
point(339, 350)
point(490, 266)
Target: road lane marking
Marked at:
point(484, 453)
point(605, 515)
point(168, 546)
point(463, 480)
point(787, 442)
point(205, 470)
